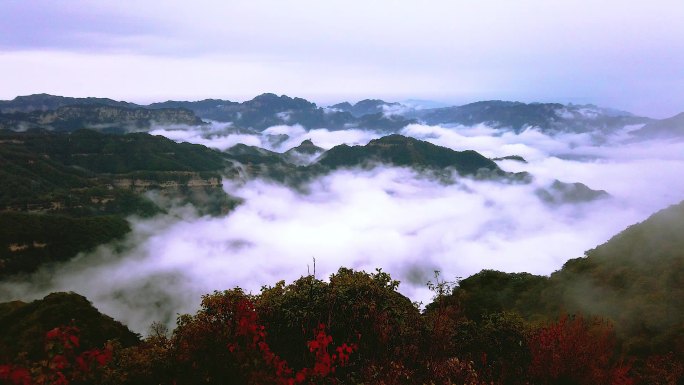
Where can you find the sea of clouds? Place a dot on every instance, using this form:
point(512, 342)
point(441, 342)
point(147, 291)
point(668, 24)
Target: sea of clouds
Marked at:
point(407, 223)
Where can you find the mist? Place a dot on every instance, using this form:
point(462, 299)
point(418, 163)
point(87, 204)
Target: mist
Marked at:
point(406, 222)
point(222, 136)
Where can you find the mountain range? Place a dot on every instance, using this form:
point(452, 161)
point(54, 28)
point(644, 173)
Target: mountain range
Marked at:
point(64, 193)
point(267, 110)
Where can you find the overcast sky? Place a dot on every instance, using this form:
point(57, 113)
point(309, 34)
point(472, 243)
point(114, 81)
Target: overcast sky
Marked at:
point(623, 54)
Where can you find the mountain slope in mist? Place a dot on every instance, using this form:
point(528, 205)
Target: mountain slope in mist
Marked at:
point(105, 118)
point(371, 107)
point(636, 280)
point(666, 128)
point(46, 102)
point(267, 110)
point(399, 150)
point(395, 151)
point(548, 117)
point(23, 325)
point(66, 193)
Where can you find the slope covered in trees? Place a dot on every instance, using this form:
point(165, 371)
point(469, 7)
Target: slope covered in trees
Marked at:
point(65, 193)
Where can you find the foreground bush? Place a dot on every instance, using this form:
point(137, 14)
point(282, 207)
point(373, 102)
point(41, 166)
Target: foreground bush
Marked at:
point(354, 329)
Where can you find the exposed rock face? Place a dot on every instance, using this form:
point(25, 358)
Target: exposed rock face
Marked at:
point(71, 118)
point(175, 182)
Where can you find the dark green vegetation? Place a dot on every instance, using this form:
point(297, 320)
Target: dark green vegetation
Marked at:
point(31, 240)
point(305, 153)
point(516, 158)
point(65, 193)
point(23, 325)
point(636, 280)
point(400, 150)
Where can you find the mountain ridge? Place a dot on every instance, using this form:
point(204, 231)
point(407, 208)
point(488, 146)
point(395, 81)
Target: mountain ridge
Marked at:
point(269, 109)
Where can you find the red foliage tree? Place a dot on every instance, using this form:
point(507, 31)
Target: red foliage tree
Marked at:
point(576, 351)
point(62, 366)
point(251, 337)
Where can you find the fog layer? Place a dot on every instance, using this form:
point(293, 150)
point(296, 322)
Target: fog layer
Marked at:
point(406, 223)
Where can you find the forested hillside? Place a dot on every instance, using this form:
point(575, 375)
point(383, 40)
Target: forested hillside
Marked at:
point(65, 193)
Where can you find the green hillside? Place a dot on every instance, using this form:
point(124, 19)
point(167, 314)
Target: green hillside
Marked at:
point(65, 193)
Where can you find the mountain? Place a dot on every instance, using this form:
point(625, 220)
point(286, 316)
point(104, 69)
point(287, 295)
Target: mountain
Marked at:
point(46, 102)
point(666, 128)
point(303, 154)
point(63, 193)
point(370, 107)
point(398, 150)
point(212, 109)
point(635, 280)
point(269, 110)
point(253, 155)
point(559, 193)
point(100, 117)
point(551, 117)
point(23, 325)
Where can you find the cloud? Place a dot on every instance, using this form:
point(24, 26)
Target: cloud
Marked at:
point(405, 222)
point(222, 136)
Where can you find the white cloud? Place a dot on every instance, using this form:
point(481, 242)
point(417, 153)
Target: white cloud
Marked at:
point(221, 136)
point(394, 218)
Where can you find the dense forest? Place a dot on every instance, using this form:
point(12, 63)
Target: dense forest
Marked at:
point(67, 193)
point(612, 317)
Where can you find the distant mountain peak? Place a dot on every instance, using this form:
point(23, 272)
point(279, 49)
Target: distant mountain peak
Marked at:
point(399, 150)
point(368, 107)
point(268, 96)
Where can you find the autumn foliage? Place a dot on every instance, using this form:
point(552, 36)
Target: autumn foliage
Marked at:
point(575, 350)
point(65, 363)
point(354, 329)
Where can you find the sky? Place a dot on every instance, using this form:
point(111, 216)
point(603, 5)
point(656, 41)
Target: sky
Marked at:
point(620, 54)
